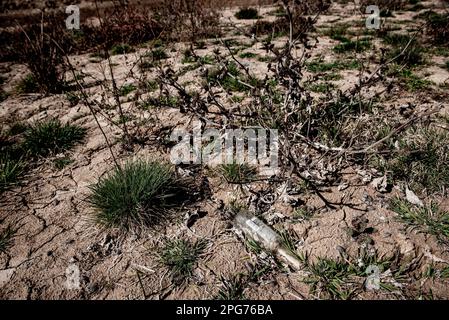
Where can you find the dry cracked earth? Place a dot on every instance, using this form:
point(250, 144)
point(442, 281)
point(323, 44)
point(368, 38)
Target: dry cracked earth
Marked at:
point(55, 229)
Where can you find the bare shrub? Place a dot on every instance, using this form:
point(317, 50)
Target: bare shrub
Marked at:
point(294, 12)
point(188, 19)
point(123, 24)
point(384, 5)
point(40, 52)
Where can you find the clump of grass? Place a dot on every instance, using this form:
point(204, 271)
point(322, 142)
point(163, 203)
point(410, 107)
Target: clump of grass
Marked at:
point(61, 163)
point(127, 89)
point(247, 14)
point(430, 219)
point(413, 82)
point(447, 65)
point(28, 85)
point(230, 79)
point(141, 194)
point(73, 98)
point(235, 173)
point(159, 102)
point(321, 87)
point(412, 56)
point(338, 32)
point(51, 137)
point(302, 214)
point(151, 85)
point(320, 66)
point(247, 55)
point(332, 278)
point(122, 48)
point(146, 65)
point(180, 257)
point(232, 288)
point(6, 237)
point(237, 99)
point(11, 169)
point(433, 272)
point(342, 279)
point(188, 57)
point(353, 46)
point(159, 54)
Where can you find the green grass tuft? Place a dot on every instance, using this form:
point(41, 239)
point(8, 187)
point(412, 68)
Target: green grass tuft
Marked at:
point(141, 194)
point(10, 170)
point(126, 89)
point(248, 55)
point(247, 14)
point(51, 137)
point(331, 278)
point(430, 219)
point(413, 82)
point(6, 237)
point(235, 173)
point(122, 49)
point(353, 46)
point(159, 54)
point(180, 257)
point(232, 288)
point(28, 85)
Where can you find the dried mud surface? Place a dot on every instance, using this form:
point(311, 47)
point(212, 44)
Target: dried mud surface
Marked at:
point(55, 222)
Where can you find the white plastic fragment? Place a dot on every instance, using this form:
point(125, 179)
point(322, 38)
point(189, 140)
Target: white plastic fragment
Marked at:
point(412, 197)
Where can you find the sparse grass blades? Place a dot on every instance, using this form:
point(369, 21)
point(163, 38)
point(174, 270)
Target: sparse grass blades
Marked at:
point(247, 55)
point(122, 48)
point(412, 81)
point(127, 89)
point(247, 14)
point(141, 194)
point(430, 219)
point(232, 288)
point(10, 170)
point(321, 87)
point(61, 163)
point(338, 32)
point(332, 278)
point(321, 66)
point(353, 46)
point(231, 79)
point(302, 214)
point(434, 272)
point(6, 237)
point(235, 173)
point(51, 137)
point(159, 54)
point(413, 54)
point(180, 257)
point(422, 160)
point(28, 85)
